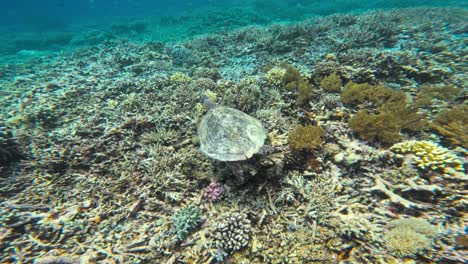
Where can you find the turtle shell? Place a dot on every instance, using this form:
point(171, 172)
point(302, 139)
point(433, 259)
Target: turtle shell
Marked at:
point(228, 134)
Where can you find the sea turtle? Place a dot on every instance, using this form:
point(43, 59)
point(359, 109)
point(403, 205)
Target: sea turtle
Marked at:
point(227, 134)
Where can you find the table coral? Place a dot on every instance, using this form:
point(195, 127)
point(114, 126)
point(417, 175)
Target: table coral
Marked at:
point(427, 154)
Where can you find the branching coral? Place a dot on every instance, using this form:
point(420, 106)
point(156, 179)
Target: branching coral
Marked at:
point(275, 76)
point(428, 155)
point(185, 220)
point(180, 77)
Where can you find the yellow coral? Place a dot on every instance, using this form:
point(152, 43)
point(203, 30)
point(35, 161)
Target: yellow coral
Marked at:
point(275, 76)
point(180, 77)
point(430, 155)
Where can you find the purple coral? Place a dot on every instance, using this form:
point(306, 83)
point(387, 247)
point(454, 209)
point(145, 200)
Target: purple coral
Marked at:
point(213, 191)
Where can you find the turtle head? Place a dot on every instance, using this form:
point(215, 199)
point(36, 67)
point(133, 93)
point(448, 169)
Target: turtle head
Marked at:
point(206, 101)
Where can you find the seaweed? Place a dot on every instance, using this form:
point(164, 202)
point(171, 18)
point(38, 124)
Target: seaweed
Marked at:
point(354, 93)
point(452, 125)
point(429, 95)
point(305, 138)
point(293, 80)
point(392, 112)
point(381, 127)
point(331, 83)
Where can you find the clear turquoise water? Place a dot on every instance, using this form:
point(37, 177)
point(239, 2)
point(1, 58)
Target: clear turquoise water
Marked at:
point(53, 25)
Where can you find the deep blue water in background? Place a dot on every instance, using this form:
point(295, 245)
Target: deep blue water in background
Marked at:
point(27, 14)
point(57, 24)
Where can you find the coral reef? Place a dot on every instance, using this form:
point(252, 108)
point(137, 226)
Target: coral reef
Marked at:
point(305, 138)
point(9, 149)
point(185, 220)
point(381, 127)
point(180, 78)
point(429, 155)
point(232, 232)
point(409, 237)
point(275, 76)
point(114, 171)
point(331, 83)
point(213, 191)
point(452, 124)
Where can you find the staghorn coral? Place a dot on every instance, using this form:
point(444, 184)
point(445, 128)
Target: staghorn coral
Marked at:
point(232, 233)
point(428, 155)
point(305, 138)
point(185, 221)
point(409, 237)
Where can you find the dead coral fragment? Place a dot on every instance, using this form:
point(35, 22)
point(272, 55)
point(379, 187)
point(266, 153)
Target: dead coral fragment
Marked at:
point(429, 155)
point(381, 127)
point(409, 237)
point(331, 83)
point(305, 138)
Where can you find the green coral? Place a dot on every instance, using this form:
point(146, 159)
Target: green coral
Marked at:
point(305, 138)
point(185, 220)
point(409, 237)
point(331, 83)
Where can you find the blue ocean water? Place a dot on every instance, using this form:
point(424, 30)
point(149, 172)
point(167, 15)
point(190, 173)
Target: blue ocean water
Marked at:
point(61, 24)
